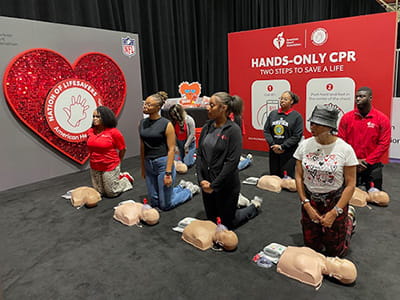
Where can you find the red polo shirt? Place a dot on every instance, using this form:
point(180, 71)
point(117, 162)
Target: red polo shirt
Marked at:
point(369, 136)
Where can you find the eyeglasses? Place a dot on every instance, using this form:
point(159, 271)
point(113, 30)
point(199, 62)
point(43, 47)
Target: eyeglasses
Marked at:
point(149, 104)
point(97, 116)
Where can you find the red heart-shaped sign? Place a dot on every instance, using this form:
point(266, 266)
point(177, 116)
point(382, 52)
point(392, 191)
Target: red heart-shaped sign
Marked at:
point(190, 91)
point(31, 75)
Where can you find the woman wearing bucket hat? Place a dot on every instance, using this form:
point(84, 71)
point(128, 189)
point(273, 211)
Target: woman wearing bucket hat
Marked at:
point(325, 179)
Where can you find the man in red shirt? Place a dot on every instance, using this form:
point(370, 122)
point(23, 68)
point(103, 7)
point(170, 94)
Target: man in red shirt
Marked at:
point(368, 131)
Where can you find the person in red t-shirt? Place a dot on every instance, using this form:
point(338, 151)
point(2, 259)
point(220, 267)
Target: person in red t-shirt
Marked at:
point(184, 126)
point(107, 148)
point(368, 131)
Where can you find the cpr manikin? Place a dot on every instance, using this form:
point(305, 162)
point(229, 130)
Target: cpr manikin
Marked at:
point(202, 235)
point(377, 196)
point(85, 195)
point(180, 167)
point(288, 183)
point(131, 213)
point(359, 198)
point(270, 183)
point(307, 266)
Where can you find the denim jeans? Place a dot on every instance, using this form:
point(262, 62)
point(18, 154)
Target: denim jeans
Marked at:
point(188, 159)
point(161, 196)
point(244, 163)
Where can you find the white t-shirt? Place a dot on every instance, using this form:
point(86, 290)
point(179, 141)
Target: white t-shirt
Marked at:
point(323, 165)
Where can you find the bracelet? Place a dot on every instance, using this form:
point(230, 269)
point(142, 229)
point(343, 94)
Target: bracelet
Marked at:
point(305, 201)
point(338, 210)
point(168, 173)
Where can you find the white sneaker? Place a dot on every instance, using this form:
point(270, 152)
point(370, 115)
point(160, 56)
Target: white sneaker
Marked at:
point(183, 183)
point(194, 188)
point(242, 201)
point(249, 156)
point(257, 201)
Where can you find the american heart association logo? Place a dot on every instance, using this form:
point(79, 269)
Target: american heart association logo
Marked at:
point(279, 41)
point(33, 77)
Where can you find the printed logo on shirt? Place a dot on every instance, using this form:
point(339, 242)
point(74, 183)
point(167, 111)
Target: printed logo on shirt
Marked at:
point(279, 130)
point(223, 136)
point(281, 121)
point(371, 124)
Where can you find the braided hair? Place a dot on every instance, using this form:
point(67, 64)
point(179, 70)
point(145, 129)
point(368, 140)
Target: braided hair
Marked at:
point(161, 97)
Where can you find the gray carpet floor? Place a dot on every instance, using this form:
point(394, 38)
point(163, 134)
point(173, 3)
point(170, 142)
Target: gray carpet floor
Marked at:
point(50, 250)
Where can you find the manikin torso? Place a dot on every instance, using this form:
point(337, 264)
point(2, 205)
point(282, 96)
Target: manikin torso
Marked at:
point(308, 266)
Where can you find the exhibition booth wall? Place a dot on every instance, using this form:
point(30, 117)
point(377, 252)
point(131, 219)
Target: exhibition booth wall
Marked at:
point(39, 62)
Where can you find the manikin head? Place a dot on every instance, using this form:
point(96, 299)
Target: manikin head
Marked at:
point(227, 239)
point(131, 213)
point(380, 198)
point(341, 269)
point(270, 183)
point(289, 184)
point(150, 216)
point(85, 195)
point(180, 167)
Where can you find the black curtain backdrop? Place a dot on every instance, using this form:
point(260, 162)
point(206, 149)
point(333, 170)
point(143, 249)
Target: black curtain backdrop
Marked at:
point(184, 40)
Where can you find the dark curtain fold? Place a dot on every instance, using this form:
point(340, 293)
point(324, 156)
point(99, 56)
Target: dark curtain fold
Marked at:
point(184, 40)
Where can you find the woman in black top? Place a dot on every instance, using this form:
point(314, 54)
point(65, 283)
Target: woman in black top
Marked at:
point(157, 156)
point(283, 131)
point(218, 155)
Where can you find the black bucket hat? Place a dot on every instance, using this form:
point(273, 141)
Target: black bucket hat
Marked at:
point(325, 115)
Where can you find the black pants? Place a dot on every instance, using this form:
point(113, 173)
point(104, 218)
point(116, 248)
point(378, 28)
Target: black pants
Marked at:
point(223, 204)
point(374, 174)
point(278, 163)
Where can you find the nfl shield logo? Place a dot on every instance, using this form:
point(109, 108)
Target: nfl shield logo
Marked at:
point(128, 46)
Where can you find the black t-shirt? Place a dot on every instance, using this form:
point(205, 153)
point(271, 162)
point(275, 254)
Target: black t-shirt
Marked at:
point(152, 133)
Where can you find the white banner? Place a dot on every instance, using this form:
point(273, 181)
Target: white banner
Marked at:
point(394, 151)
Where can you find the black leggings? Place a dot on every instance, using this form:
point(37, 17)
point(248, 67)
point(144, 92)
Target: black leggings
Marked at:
point(282, 162)
point(223, 204)
point(374, 174)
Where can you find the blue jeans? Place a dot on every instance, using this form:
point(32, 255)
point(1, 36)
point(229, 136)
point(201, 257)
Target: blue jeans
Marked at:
point(244, 163)
point(160, 195)
point(188, 159)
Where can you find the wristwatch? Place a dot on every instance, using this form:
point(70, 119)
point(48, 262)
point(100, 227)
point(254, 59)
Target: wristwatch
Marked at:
point(339, 210)
point(305, 201)
point(168, 173)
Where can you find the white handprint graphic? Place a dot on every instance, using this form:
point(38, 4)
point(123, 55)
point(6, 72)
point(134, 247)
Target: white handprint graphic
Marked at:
point(76, 112)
